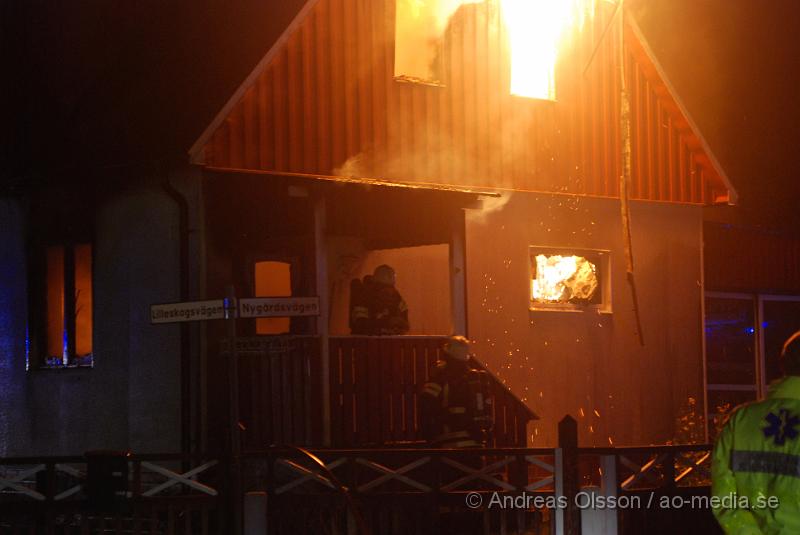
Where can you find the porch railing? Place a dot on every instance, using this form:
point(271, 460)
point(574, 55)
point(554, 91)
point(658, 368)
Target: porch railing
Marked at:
point(374, 384)
point(280, 391)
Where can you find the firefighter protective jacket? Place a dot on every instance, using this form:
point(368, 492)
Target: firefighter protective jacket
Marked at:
point(455, 405)
point(756, 465)
point(376, 308)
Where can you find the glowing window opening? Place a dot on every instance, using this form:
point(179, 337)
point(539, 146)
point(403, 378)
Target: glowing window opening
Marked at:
point(536, 32)
point(273, 279)
point(60, 332)
point(570, 279)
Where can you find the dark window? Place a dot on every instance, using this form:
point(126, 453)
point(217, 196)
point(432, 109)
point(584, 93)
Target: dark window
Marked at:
point(731, 361)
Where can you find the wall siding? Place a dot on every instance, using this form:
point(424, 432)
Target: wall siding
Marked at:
point(328, 104)
point(578, 362)
point(751, 260)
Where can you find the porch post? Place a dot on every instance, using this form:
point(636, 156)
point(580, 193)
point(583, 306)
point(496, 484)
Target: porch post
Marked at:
point(458, 278)
point(321, 259)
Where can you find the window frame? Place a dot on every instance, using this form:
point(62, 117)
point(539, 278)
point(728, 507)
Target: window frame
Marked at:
point(759, 386)
point(57, 219)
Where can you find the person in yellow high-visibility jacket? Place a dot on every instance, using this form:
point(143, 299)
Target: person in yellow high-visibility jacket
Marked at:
point(755, 468)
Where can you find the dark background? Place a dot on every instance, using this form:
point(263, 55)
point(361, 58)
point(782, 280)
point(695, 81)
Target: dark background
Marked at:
point(116, 82)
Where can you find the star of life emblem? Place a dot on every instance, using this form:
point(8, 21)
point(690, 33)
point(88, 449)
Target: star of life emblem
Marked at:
point(781, 426)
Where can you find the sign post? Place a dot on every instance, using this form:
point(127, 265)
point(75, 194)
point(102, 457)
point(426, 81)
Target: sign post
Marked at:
point(233, 410)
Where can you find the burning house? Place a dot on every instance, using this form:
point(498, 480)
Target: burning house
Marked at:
point(538, 191)
point(460, 95)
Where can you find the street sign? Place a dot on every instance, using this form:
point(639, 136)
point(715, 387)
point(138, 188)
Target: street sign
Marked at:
point(277, 307)
point(254, 307)
point(188, 311)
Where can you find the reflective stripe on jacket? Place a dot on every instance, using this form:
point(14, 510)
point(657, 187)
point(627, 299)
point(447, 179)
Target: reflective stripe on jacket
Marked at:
point(757, 459)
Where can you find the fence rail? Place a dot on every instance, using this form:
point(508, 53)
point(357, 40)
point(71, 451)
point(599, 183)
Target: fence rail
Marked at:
point(390, 490)
point(166, 494)
point(409, 482)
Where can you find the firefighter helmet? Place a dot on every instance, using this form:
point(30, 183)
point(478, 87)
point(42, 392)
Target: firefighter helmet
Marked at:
point(384, 274)
point(457, 347)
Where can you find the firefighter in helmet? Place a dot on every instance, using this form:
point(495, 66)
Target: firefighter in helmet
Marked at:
point(376, 307)
point(454, 402)
point(755, 468)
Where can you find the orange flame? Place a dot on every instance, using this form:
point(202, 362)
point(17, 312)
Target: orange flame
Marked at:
point(536, 32)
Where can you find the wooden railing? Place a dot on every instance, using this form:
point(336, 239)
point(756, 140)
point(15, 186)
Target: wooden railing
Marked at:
point(280, 391)
point(403, 490)
point(167, 495)
point(374, 384)
point(386, 490)
point(438, 491)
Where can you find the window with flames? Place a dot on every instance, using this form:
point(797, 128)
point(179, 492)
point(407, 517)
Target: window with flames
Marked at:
point(573, 279)
point(531, 35)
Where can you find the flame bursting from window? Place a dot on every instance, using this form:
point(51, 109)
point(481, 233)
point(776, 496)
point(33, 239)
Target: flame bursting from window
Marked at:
point(562, 279)
point(537, 30)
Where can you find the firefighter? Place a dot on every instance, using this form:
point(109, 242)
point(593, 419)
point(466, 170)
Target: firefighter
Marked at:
point(454, 402)
point(756, 462)
point(376, 307)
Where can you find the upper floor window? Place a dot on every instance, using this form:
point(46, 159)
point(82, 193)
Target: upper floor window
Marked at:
point(529, 36)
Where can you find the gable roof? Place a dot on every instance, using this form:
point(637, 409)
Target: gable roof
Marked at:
point(323, 101)
point(196, 151)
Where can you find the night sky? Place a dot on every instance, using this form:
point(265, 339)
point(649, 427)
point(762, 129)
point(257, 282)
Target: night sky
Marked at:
point(112, 83)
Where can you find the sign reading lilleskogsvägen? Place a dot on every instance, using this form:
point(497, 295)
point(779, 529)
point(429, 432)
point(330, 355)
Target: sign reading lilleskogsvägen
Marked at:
point(213, 309)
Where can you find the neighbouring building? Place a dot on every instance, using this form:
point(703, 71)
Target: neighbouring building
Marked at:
point(752, 305)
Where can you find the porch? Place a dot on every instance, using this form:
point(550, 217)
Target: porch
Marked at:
point(304, 380)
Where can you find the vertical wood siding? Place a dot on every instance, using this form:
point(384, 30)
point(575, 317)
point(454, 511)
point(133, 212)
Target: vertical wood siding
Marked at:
point(749, 260)
point(328, 104)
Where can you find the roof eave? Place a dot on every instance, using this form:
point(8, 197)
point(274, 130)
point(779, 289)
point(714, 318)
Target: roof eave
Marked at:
point(732, 195)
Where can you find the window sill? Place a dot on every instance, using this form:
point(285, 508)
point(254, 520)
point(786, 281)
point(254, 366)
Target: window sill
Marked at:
point(418, 81)
point(570, 309)
point(86, 363)
point(60, 368)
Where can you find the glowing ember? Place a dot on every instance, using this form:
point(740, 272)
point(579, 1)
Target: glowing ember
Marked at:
point(563, 279)
point(536, 31)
